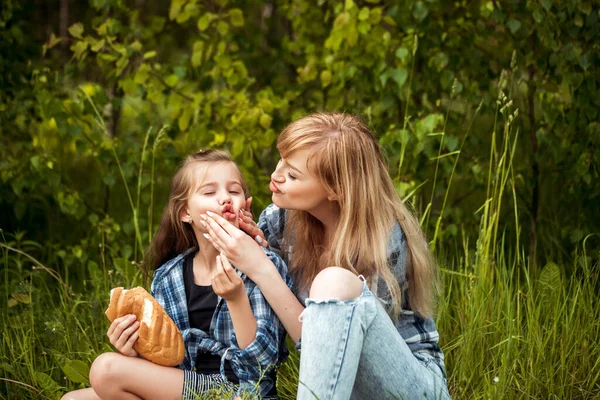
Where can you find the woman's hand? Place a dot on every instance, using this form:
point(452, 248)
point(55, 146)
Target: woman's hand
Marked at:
point(226, 282)
point(239, 248)
point(122, 333)
point(248, 225)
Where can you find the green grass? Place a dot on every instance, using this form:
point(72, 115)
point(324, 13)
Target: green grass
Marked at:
point(504, 336)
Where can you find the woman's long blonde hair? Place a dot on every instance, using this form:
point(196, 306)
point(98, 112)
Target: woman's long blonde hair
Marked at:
point(347, 159)
point(174, 236)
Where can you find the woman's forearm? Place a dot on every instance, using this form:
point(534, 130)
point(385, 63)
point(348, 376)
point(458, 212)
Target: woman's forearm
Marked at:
point(281, 299)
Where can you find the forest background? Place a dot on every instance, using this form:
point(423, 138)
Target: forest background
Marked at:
point(487, 111)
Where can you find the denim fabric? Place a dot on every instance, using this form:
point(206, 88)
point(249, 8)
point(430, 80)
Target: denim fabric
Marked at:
point(420, 334)
point(352, 350)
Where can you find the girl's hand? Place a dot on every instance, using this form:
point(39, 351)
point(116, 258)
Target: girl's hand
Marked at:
point(226, 282)
point(240, 249)
point(248, 225)
point(122, 333)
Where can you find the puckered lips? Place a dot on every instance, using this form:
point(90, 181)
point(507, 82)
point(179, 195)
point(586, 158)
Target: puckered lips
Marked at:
point(227, 212)
point(274, 187)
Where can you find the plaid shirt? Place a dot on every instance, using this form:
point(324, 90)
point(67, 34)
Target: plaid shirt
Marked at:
point(249, 364)
point(420, 334)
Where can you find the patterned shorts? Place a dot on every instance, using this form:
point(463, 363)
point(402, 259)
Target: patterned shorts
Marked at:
point(198, 386)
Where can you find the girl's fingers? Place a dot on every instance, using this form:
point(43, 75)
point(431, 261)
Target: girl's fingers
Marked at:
point(248, 203)
point(227, 268)
point(128, 347)
point(119, 325)
point(126, 335)
point(221, 270)
point(219, 279)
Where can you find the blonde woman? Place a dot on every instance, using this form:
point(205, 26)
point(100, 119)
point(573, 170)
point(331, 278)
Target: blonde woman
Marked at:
point(363, 275)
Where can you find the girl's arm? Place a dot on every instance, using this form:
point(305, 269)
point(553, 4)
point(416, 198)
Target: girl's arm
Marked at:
point(227, 284)
point(249, 258)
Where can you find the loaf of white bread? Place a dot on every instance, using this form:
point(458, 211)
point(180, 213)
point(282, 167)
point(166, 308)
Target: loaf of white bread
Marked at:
point(159, 339)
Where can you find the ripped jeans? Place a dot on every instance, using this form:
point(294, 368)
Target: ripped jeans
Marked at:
point(352, 350)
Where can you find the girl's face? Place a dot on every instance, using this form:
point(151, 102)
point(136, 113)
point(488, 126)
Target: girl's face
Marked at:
point(220, 191)
point(294, 187)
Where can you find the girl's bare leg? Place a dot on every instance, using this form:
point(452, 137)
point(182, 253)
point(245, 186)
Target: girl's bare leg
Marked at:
point(82, 394)
point(115, 376)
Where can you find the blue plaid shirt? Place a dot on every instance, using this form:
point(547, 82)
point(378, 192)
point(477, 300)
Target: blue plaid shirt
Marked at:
point(420, 334)
point(250, 364)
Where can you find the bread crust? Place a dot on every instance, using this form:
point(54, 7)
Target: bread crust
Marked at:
point(159, 340)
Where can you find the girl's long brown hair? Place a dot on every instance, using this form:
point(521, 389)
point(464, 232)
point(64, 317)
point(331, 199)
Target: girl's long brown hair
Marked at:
point(347, 159)
point(175, 236)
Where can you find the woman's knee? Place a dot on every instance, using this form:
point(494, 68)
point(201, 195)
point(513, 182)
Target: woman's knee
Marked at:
point(336, 282)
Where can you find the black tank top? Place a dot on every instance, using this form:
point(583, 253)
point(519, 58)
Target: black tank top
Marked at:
point(202, 302)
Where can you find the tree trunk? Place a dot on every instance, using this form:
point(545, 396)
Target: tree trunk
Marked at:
point(64, 24)
point(536, 175)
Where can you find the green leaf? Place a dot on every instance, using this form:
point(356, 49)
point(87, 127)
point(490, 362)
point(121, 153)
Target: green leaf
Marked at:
point(107, 57)
point(584, 61)
point(35, 162)
point(325, 78)
point(121, 64)
point(96, 275)
point(149, 54)
point(383, 78)
point(204, 21)
point(420, 11)
point(550, 281)
point(46, 383)
point(547, 4)
point(222, 28)
point(96, 47)
point(399, 75)
point(363, 15)
point(184, 119)
point(76, 371)
point(237, 17)
point(265, 121)
point(197, 53)
point(76, 30)
point(513, 25)
point(53, 41)
point(23, 298)
point(402, 54)
point(79, 48)
point(175, 9)
point(126, 269)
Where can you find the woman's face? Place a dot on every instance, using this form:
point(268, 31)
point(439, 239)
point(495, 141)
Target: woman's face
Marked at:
point(294, 187)
point(220, 191)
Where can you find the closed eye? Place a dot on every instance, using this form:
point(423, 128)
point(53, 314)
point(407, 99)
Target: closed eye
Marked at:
point(292, 177)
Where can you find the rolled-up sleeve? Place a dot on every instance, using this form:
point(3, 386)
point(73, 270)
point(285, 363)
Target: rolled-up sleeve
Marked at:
point(264, 348)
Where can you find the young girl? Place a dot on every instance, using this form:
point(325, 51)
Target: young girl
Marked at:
point(359, 261)
point(232, 336)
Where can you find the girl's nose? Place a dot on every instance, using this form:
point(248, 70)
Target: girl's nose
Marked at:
point(225, 198)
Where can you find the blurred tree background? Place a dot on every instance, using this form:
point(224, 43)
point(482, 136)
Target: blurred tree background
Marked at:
point(87, 87)
point(233, 74)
